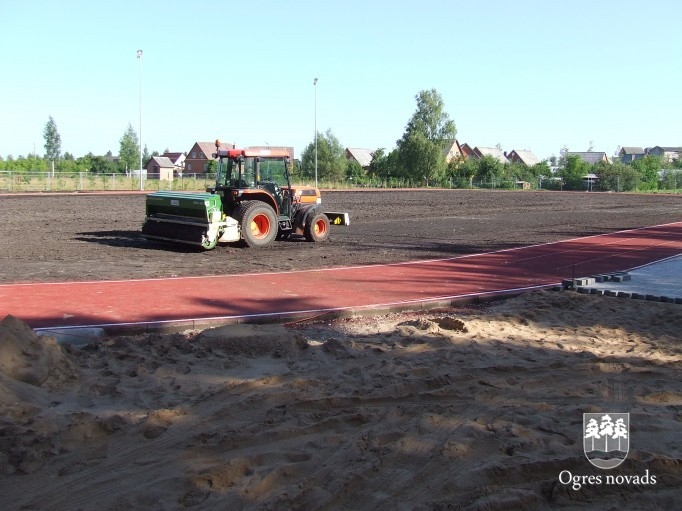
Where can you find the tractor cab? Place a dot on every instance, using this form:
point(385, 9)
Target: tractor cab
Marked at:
point(254, 174)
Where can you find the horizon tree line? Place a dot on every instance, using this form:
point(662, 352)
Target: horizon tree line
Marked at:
point(418, 160)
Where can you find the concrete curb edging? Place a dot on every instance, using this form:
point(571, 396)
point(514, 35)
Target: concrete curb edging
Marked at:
point(583, 285)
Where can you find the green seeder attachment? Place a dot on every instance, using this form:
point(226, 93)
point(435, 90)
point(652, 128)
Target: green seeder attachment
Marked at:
point(194, 218)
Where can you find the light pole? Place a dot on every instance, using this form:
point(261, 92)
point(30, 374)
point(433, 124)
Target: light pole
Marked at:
point(315, 85)
point(139, 59)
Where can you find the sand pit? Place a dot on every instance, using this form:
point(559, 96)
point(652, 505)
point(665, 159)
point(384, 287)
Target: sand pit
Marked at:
point(468, 408)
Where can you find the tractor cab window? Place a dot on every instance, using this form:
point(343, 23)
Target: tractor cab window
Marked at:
point(248, 177)
point(237, 172)
point(224, 171)
point(273, 175)
point(274, 170)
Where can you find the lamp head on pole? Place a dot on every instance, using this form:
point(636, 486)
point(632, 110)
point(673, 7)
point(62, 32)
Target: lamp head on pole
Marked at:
point(139, 54)
point(315, 81)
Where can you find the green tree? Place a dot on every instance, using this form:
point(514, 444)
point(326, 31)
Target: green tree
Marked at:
point(616, 177)
point(355, 173)
point(211, 166)
point(573, 171)
point(420, 150)
point(129, 152)
point(490, 171)
point(516, 172)
point(53, 142)
point(420, 160)
point(649, 168)
point(671, 179)
point(563, 155)
point(378, 166)
point(102, 165)
point(145, 155)
point(331, 160)
point(540, 169)
point(462, 172)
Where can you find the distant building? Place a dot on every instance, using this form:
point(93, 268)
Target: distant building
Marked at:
point(362, 156)
point(522, 156)
point(177, 159)
point(496, 153)
point(629, 154)
point(467, 151)
point(453, 151)
point(201, 153)
point(161, 167)
point(590, 157)
point(669, 154)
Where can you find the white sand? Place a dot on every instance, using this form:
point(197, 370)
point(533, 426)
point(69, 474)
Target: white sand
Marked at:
point(472, 408)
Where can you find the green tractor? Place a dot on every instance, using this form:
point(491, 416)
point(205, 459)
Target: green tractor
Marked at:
point(252, 201)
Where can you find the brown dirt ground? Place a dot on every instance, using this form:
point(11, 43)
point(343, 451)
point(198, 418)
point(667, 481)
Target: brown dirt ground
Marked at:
point(47, 238)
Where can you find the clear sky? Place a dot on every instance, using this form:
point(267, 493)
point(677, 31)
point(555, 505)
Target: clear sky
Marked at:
point(525, 74)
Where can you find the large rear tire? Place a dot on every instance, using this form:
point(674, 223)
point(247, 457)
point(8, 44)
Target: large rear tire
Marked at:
point(258, 223)
point(316, 227)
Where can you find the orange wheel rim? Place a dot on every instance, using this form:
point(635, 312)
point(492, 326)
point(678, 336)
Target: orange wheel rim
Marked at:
point(260, 226)
point(320, 228)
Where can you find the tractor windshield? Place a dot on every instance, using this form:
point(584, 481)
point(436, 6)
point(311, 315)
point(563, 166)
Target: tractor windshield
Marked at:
point(237, 172)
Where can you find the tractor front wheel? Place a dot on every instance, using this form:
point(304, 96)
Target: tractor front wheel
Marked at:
point(258, 223)
point(316, 227)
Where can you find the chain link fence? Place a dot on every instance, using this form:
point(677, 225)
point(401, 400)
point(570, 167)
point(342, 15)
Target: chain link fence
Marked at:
point(88, 182)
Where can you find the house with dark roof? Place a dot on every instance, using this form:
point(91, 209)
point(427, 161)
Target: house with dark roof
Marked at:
point(362, 156)
point(522, 156)
point(669, 154)
point(201, 153)
point(178, 159)
point(590, 157)
point(628, 154)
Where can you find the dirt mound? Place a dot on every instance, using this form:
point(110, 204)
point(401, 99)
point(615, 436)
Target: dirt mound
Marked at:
point(30, 358)
point(252, 340)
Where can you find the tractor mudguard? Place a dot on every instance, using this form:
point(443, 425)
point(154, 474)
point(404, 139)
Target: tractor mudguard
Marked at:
point(302, 214)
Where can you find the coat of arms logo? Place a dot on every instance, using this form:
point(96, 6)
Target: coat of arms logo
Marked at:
point(606, 438)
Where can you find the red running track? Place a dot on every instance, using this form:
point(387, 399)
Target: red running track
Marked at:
point(193, 301)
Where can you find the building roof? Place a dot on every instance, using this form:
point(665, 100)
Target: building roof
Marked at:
point(466, 150)
point(496, 153)
point(590, 156)
point(176, 158)
point(208, 148)
point(630, 150)
point(162, 161)
point(527, 157)
point(669, 149)
point(362, 156)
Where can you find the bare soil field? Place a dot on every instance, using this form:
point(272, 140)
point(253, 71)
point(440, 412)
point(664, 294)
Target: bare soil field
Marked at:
point(48, 238)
